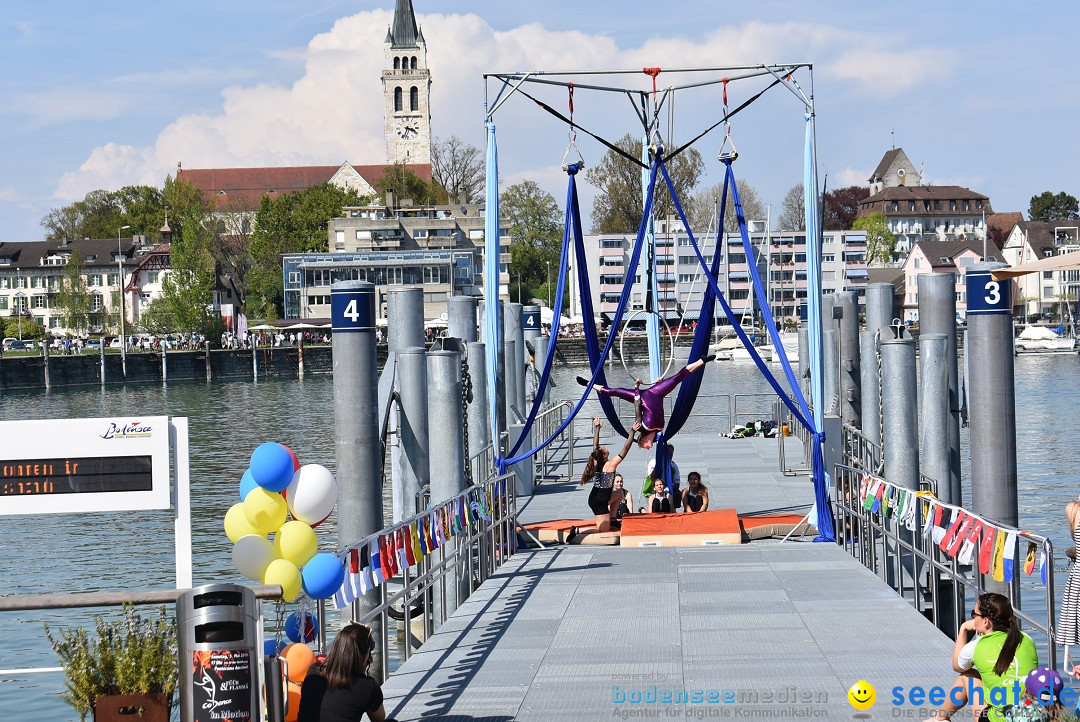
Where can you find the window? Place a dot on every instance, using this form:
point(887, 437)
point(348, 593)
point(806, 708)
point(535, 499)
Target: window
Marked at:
point(412, 63)
point(686, 277)
point(39, 302)
point(1047, 293)
point(318, 300)
point(896, 206)
point(611, 243)
point(3, 303)
point(97, 301)
point(926, 206)
point(825, 258)
point(917, 263)
point(5, 282)
point(1048, 275)
point(967, 205)
point(397, 63)
point(114, 279)
point(414, 99)
point(152, 277)
point(420, 233)
point(94, 279)
point(398, 107)
point(952, 206)
point(911, 206)
point(978, 204)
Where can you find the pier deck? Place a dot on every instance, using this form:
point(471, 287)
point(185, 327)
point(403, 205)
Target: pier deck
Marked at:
point(565, 633)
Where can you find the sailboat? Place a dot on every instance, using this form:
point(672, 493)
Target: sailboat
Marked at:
point(1040, 339)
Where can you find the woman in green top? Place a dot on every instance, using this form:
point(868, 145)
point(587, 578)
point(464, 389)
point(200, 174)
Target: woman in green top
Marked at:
point(997, 659)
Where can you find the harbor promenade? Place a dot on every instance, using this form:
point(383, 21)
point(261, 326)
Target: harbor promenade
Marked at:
point(759, 630)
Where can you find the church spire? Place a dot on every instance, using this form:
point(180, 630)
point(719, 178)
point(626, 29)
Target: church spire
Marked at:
point(404, 32)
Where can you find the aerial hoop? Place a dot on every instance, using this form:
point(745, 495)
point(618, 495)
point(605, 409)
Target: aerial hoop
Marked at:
point(622, 340)
point(727, 156)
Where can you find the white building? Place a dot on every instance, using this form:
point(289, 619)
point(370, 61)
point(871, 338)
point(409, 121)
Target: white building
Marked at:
point(1040, 294)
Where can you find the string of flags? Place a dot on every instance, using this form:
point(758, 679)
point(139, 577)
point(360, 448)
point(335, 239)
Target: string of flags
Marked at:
point(956, 531)
point(383, 556)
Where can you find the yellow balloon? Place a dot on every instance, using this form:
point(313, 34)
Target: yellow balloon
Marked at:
point(287, 574)
point(296, 542)
point(237, 525)
point(265, 510)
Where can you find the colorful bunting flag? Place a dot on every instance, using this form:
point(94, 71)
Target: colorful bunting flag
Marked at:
point(958, 518)
point(1029, 558)
point(377, 575)
point(1009, 556)
point(967, 548)
point(986, 549)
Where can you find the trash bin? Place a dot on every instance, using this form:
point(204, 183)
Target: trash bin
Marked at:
point(217, 631)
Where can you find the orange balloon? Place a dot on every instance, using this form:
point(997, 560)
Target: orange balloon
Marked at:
point(293, 705)
point(300, 658)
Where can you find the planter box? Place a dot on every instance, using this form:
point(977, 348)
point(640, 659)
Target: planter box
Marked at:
point(132, 707)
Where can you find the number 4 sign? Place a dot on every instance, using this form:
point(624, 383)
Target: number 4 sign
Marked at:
point(530, 320)
point(352, 307)
point(987, 296)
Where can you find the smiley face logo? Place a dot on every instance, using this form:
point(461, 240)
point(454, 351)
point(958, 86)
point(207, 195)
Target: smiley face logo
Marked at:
point(862, 695)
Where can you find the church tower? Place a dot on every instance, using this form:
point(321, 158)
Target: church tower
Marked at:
point(407, 90)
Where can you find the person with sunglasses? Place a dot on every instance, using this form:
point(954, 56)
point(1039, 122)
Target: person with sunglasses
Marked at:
point(990, 652)
point(341, 690)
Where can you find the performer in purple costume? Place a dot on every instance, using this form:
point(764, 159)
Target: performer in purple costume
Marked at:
point(649, 402)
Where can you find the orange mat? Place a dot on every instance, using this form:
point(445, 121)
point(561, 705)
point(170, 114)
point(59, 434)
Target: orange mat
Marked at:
point(720, 526)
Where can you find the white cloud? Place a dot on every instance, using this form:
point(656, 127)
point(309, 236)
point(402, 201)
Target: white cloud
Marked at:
point(11, 194)
point(848, 177)
point(334, 111)
point(66, 104)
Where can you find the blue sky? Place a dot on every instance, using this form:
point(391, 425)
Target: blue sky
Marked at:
point(983, 95)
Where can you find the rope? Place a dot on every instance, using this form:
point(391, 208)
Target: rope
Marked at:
point(466, 399)
point(880, 403)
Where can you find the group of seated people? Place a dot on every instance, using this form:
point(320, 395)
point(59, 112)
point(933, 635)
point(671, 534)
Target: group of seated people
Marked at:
point(610, 501)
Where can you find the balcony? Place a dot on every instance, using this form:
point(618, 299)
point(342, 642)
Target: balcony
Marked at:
point(612, 252)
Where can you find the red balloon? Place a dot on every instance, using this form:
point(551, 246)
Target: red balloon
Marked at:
point(295, 461)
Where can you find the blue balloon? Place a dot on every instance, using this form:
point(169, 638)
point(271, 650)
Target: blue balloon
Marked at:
point(247, 483)
point(302, 627)
point(272, 648)
point(271, 466)
point(322, 576)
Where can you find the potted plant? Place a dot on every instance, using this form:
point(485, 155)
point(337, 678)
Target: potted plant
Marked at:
point(126, 673)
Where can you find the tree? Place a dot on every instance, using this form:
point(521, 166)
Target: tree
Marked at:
point(536, 228)
point(704, 204)
point(101, 213)
point(880, 242)
point(618, 206)
point(1049, 207)
point(406, 184)
point(793, 215)
point(458, 167)
point(841, 207)
point(293, 223)
point(73, 299)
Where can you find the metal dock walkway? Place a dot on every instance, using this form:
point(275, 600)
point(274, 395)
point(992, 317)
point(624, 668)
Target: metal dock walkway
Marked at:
point(759, 630)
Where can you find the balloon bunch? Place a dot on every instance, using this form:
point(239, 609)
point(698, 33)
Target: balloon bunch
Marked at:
point(274, 488)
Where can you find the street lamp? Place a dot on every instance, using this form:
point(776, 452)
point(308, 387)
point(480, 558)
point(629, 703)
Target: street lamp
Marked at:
point(120, 281)
point(549, 283)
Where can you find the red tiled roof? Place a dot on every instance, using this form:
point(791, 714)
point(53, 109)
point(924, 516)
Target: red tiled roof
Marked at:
point(1004, 222)
point(243, 188)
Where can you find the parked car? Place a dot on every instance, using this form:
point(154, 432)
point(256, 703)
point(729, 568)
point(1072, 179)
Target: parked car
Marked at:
point(6, 343)
point(93, 344)
point(17, 345)
point(116, 343)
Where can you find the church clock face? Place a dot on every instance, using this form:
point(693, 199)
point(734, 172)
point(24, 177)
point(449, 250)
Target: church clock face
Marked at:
point(407, 129)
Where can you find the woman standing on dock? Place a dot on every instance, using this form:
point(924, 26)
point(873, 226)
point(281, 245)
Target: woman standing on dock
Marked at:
point(1068, 626)
point(600, 469)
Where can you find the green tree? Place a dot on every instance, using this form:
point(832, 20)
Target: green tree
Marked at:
point(1049, 207)
point(100, 213)
point(880, 242)
point(793, 213)
point(618, 204)
point(407, 185)
point(74, 299)
point(293, 223)
point(536, 229)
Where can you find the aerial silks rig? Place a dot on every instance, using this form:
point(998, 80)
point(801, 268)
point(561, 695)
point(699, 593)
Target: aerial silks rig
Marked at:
point(655, 159)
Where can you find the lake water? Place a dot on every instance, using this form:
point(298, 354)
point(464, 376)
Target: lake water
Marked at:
point(90, 552)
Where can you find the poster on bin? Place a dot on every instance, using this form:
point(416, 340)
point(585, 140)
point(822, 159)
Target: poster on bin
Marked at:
point(221, 685)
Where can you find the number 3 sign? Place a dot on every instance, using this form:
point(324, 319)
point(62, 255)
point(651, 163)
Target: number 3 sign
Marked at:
point(987, 296)
point(352, 307)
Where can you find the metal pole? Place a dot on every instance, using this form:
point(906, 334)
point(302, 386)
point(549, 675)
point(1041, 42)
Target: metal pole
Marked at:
point(901, 444)
point(461, 315)
point(356, 423)
point(869, 397)
point(880, 313)
point(934, 407)
point(414, 472)
point(530, 332)
point(120, 281)
point(512, 318)
point(937, 314)
point(405, 318)
point(254, 355)
point(479, 429)
point(447, 444)
point(45, 360)
point(804, 358)
point(830, 364)
point(992, 398)
point(540, 345)
point(164, 363)
point(850, 379)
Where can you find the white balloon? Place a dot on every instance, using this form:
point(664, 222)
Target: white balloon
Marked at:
point(312, 494)
point(252, 554)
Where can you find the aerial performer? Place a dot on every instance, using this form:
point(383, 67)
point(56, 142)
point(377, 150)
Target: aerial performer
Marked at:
point(649, 402)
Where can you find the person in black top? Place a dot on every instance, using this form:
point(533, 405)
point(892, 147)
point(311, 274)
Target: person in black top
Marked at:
point(600, 469)
point(342, 691)
point(695, 497)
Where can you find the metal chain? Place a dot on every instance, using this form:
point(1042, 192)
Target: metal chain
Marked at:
point(466, 399)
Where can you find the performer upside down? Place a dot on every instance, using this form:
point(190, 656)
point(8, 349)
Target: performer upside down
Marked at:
point(649, 402)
